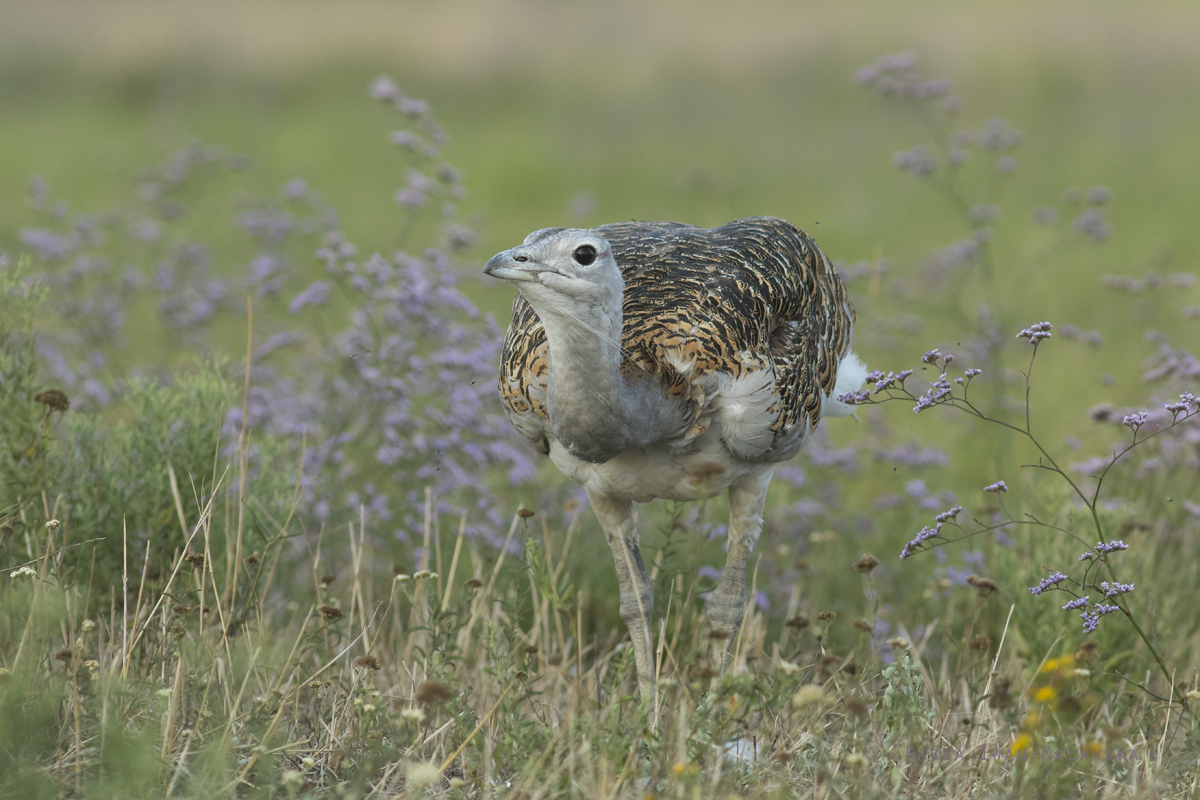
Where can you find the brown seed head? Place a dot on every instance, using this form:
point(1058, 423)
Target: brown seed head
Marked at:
point(798, 623)
point(367, 662)
point(53, 399)
point(328, 578)
point(980, 642)
point(983, 585)
point(864, 625)
point(64, 655)
point(525, 513)
point(181, 609)
point(331, 612)
point(531, 650)
point(554, 660)
point(857, 707)
point(866, 564)
point(828, 665)
point(197, 560)
point(826, 616)
point(434, 691)
point(473, 584)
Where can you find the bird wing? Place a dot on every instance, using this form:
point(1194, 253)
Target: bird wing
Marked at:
point(743, 325)
point(524, 371)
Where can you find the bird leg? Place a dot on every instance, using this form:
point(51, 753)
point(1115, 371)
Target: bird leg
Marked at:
point(727, 603)
point(637, 591)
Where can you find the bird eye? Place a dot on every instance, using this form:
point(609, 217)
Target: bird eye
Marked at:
point(585, 254)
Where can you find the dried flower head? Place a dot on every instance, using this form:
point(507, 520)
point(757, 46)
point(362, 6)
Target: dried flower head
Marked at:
point(798, 623)
point(866, 564)
point(54, 400)
point(826, 616)
point(1088, 651)
point(998, 487)
point(984, 586)
point(434, 691)
point(331, 612)
point(367, 662)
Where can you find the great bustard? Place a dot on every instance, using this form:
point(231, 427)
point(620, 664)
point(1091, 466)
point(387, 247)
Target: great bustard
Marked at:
point(661, 360)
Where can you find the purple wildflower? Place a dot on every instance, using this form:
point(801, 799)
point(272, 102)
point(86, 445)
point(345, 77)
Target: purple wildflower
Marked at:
point(997, 487)
point(1035, 333)
point(939, 390)
point(384, 89)
point(1092, 225)
point(919, 161)
point(1134, 421)
point(1108, 547)
point(1087, 556)
point(853, 398)
point(920, 539)
point(1186, 401)
point(1115, 589)
point(1047, 583)
point(948, 516)
point(1074, 604)
point(316, 294)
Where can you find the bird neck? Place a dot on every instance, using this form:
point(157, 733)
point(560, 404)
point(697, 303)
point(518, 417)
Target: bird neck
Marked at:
point(594, 412)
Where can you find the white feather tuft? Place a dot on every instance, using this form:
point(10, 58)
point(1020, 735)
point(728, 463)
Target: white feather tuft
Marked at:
point(851, 374)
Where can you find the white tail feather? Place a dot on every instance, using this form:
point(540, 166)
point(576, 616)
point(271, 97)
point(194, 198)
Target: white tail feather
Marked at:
point(851, 374)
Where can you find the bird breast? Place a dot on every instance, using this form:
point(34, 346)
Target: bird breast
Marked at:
point(705, 470)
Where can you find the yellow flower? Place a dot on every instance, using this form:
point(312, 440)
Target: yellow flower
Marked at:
point(1095, 748)
point(679, 768)
point(1031, 720)
point(1023, 742)
point(1060, 663)
point(1045, 695)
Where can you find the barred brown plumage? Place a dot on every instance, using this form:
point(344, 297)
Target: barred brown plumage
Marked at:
point(665, 360)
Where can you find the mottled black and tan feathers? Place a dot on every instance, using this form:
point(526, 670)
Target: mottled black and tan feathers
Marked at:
point(756, 294)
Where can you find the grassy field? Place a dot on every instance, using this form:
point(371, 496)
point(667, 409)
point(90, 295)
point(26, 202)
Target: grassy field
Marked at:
point(306, 575)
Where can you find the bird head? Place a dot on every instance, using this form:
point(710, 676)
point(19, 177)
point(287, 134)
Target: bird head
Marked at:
point(563, 269)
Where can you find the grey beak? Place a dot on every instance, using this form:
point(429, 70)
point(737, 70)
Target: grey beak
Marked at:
point(509, 267)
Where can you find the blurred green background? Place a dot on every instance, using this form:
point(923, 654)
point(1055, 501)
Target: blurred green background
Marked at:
point(573, 113)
